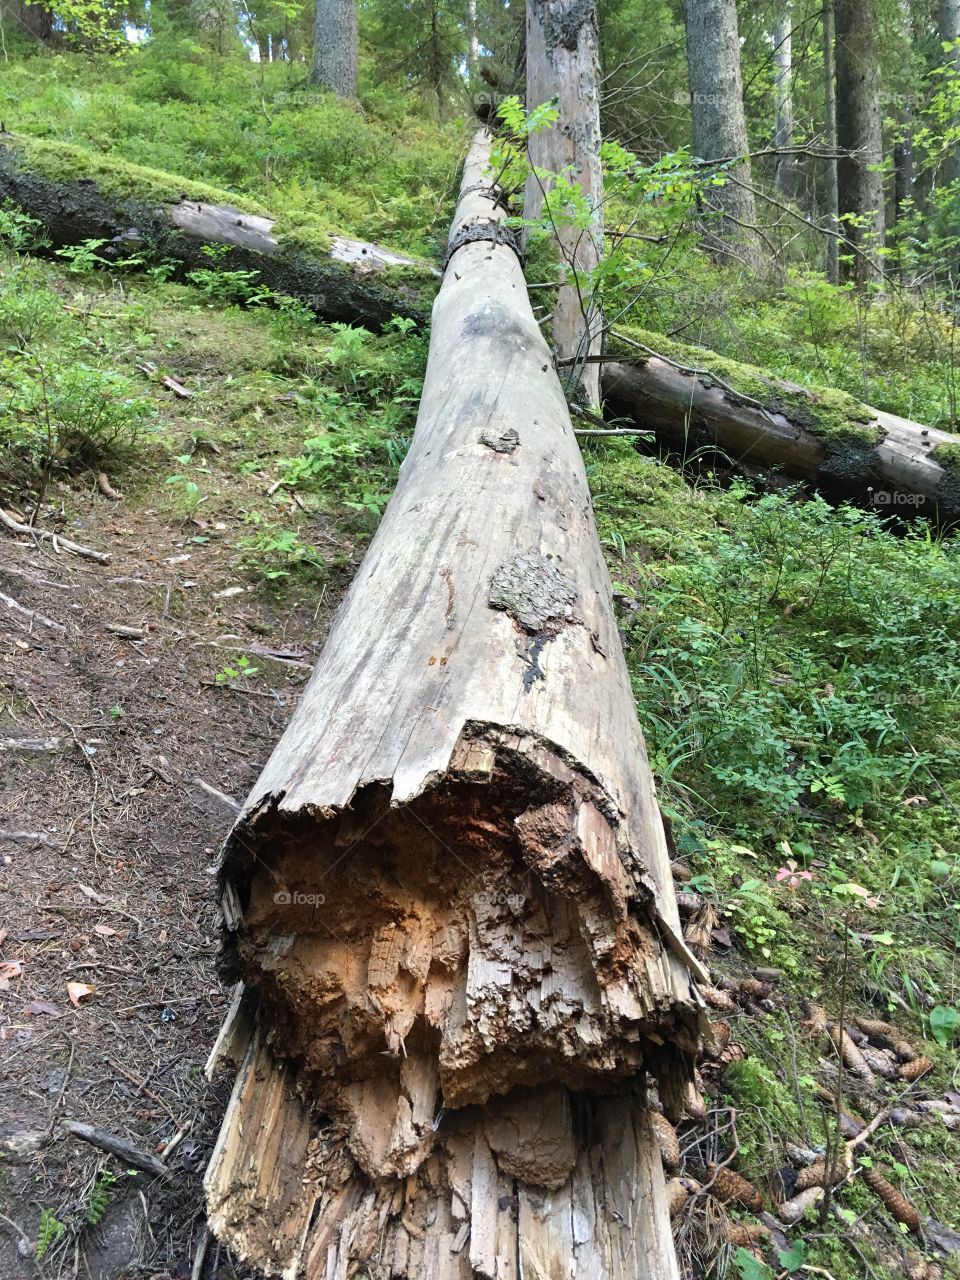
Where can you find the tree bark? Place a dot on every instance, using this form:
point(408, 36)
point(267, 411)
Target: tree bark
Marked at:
point(719, 123)
point(334, 64)
point(32, 20)
point(563, 62)
point(830, 179)
point(448, 896)
point(895, 465)
point(949, 25)
point(783, 94)
point(342, 279)
point(860, 135)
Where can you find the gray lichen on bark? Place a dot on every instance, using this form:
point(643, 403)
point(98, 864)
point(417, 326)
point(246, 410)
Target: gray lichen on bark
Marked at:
point(535, 591)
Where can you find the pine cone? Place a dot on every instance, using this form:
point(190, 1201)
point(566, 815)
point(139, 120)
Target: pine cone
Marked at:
point(755, 989)
point(732, 1188)
point(699, 930)
point(745, 1233)
point(916, 1068)
point(817, 1020)
point(677, 1196)
point(849, 1053)
point(811, 1176)
point(904, 1050)
point(666, 1137)
point(681, 872)
point(815, 1175)
point(718, 999)
point(721, 1033)
point(898, 1205)
point(874, 1027)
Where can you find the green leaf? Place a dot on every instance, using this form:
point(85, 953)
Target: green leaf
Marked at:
point(751, 1268)
point(793, 1257)
point(944, 1020)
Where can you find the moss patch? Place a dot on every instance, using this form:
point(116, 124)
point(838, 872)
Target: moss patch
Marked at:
point(63, 162)
point(304, 233)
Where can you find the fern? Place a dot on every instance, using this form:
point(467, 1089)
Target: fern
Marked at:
point(48, 1233)
point(100, 1197)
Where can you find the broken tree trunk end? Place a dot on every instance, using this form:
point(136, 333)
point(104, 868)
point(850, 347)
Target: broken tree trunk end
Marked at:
point(448, 897)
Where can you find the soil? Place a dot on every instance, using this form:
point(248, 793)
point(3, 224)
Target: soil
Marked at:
point(108, 843)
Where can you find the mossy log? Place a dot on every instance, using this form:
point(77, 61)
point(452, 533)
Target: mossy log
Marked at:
point(78, 195)
point(448, 897)
point(693, 399)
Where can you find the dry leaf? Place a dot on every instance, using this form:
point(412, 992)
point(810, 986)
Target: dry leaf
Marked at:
point(78, 992)
point(104, 931)
point(9, 969)
point(36, 1007)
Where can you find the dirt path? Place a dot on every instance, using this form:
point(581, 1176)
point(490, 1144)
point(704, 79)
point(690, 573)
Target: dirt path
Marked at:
point(108, 844)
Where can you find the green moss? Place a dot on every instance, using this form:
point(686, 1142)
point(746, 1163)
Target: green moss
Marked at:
point(63, 162)
point(847, 427)
point(948, 456)
point(303, 233)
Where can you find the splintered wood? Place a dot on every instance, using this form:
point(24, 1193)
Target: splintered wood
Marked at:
point(448, 898)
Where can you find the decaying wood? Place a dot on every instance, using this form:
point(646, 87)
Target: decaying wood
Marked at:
point(450, 890)
point(691, 410)
point(349, 280)
point(792, 1211)
point(59, 543)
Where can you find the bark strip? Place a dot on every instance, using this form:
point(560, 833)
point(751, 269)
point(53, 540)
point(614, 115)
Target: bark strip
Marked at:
point(449, 895)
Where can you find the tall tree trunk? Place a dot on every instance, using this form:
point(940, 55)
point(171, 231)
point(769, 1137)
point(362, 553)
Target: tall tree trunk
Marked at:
point(719, 123)
point(448, 895)
point(903, 147)
point(783, 94)
point(949, 16)
point(860, 135)
point(32, 20)
point(334, 63)
point(831, 196)
point(563, 62)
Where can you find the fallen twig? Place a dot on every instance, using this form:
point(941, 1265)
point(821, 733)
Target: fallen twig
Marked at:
point(217, 794)
point(120, 1147)
point(40, 618)
point(59, 543)
point(30, 744)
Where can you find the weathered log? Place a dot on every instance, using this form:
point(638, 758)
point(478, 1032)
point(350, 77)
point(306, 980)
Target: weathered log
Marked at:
point(78, 195)
point(819, 436)
point(448, 895)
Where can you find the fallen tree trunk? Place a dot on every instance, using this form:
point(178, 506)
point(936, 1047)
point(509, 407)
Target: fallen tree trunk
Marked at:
point(694, 399)
point(448, 897)
point(78, 195)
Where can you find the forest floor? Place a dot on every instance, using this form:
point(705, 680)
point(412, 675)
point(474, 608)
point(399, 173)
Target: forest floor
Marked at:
point(796, 668)
point(109, 837)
